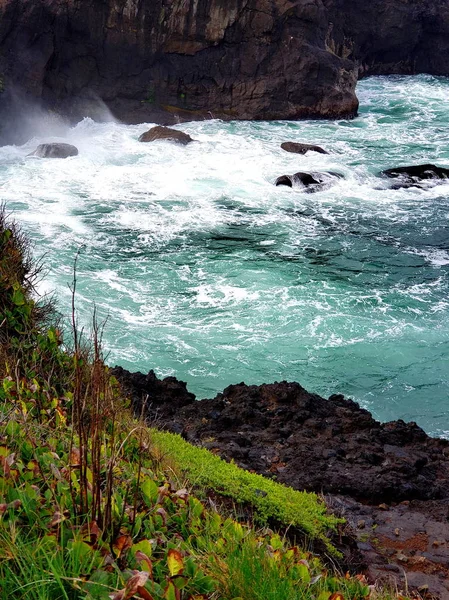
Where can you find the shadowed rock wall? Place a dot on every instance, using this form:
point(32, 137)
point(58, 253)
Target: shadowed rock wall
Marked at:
point(164, 60)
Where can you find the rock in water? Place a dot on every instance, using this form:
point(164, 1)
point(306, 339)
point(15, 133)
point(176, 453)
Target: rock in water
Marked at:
point(55, 151)
point(302, 148)
point(313, 182)
point(284, 180)
point(415, 174)
point(165, 133)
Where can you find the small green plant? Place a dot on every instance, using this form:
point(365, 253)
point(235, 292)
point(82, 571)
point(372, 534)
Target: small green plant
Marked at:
point(150, 97)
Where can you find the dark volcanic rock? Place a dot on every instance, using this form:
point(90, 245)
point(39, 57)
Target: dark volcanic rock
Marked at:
point(330, 446)
point(304, 179)
point(302, 148)
point(165, 133)
point(162, 398)
point(312, 182)
point(284, 180)
point(390, 481)
point(158, 61)
point(150, 60)
point(55, 151)
point(415, 174)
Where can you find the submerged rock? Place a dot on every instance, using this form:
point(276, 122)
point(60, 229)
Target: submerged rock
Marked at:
point(413, 175)
point(165, 133)
point(312, 182)
point(55, 150)
point(302, 148)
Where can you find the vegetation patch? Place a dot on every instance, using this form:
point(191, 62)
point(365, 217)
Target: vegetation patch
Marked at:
point(270, 501)
point(95, 506)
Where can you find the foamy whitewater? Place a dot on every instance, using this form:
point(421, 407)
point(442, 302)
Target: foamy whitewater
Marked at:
point(209, 272)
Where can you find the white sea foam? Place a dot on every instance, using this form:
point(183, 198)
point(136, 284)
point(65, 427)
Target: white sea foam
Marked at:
point(210, 272)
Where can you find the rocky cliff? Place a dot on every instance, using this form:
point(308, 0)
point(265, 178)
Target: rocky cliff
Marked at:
point(162, 60)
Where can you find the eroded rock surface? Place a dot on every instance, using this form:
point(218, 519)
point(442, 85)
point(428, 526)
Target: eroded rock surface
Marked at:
point(165, 133)
point(297, 148)
point(164, 62)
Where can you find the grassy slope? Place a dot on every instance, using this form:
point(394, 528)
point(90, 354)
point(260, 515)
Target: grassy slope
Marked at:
point(95, 505)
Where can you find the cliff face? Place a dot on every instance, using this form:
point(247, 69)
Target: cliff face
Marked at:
point(245, 59)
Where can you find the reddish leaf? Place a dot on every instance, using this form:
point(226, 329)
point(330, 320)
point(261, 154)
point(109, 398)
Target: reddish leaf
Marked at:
point(15, 504)
point(138, 580)
point(144, 593)
point(148, 567)
point(337, 596)
point(121, 544)
point(172, 593)
point(163, 514)
point(91, 532)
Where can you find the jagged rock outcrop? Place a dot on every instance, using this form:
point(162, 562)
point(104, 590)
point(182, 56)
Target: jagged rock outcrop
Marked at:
point(308, 442)
point(153, 60)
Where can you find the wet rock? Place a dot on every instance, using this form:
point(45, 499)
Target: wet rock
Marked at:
point(55, 150)
point(161, 398)
point(165, 133)
point(302, 148)
point(284, 180)
point(414, 175)
point(312, 182)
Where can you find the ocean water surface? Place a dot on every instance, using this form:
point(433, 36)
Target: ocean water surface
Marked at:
point(209, 272)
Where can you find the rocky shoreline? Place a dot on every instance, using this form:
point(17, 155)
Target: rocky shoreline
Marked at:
point(389, 480)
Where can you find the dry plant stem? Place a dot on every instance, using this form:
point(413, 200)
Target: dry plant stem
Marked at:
point(101, 406)
point(139, 467)
point(77, 413)
point(107, 519)
point(98, 391)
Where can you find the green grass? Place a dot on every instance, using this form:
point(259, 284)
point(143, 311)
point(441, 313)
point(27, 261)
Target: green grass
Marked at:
point(269, 500)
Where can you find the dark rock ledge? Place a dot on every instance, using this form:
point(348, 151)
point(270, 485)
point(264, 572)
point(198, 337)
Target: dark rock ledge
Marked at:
point(390, 480)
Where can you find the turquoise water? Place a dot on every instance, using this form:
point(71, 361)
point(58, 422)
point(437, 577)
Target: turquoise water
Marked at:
point(209, 272)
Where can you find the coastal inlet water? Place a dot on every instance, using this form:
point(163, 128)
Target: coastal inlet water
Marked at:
point(208, 272)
